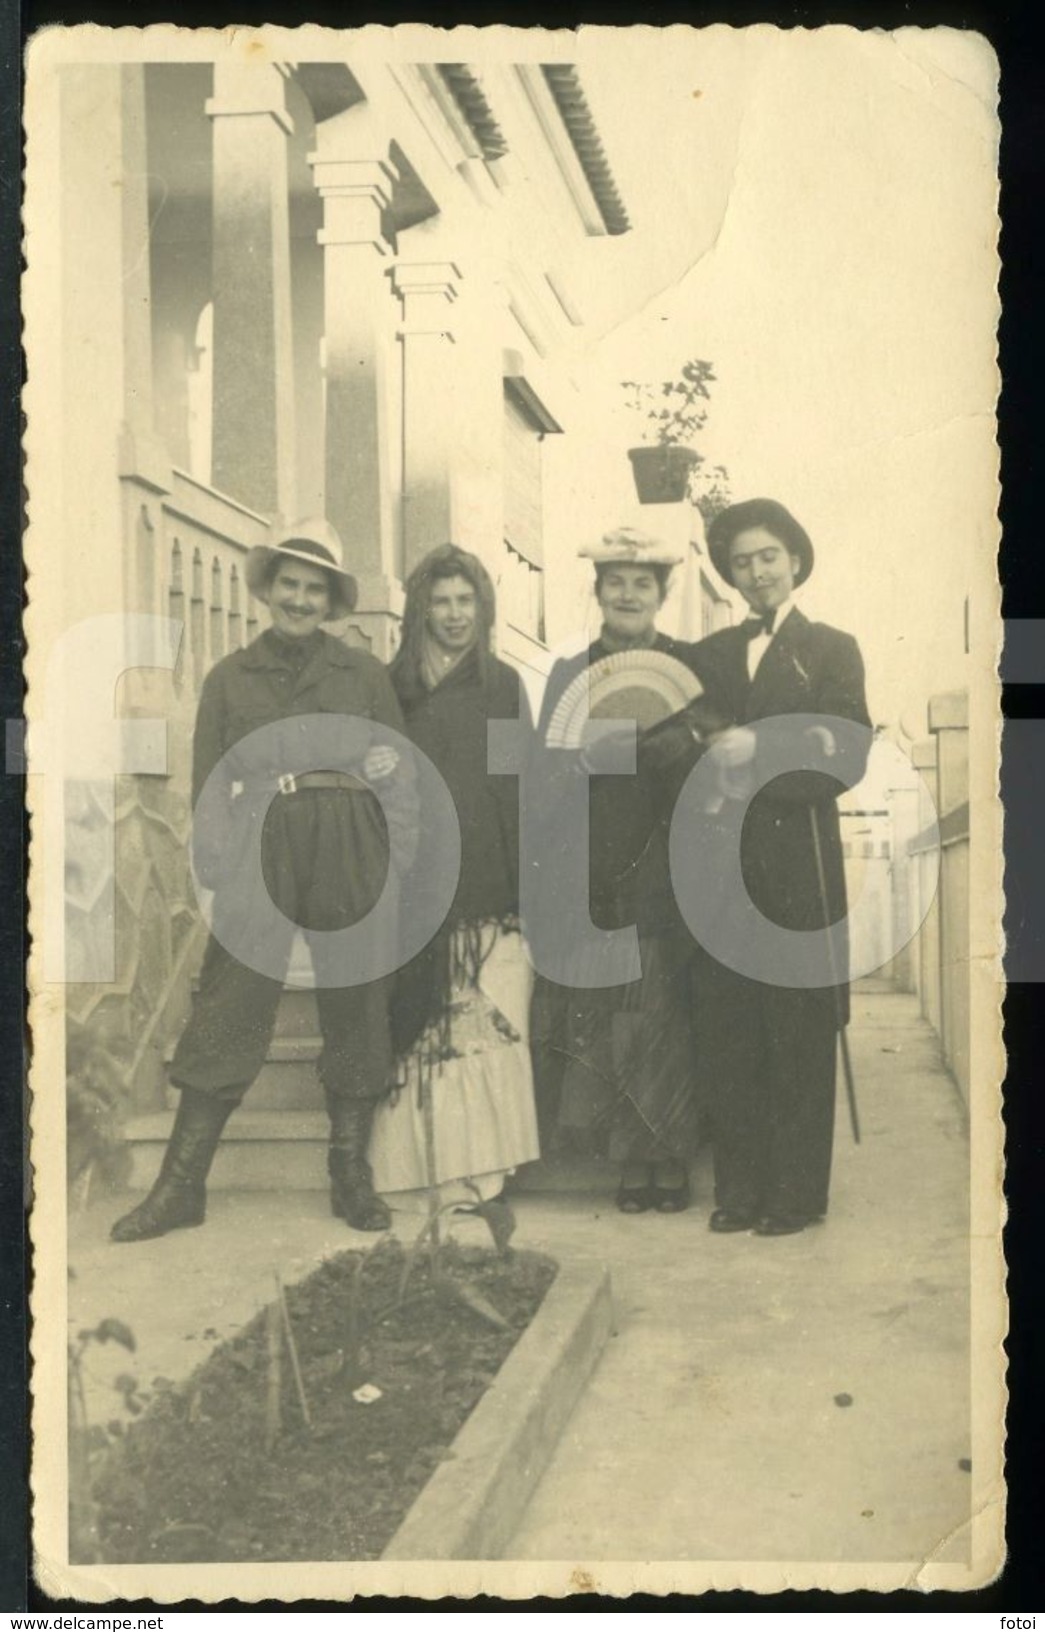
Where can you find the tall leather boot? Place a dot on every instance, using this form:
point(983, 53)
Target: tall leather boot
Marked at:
point(178, 1199)
point(351, 1182)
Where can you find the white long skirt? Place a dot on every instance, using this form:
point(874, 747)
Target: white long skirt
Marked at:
point(485, 1122)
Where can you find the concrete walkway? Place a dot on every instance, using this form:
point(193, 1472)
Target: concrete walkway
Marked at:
point(803, 1397)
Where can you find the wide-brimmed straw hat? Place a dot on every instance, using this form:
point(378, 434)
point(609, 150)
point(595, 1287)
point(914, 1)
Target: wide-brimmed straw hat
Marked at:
point(767, 513)
point(627, 547)
point(313, 540)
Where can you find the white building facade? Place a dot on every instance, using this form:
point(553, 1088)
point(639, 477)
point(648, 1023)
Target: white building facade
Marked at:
point(288, 289)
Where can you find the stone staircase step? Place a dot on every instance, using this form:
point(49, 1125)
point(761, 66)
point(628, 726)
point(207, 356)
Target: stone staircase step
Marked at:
point(289, 1047)
point(290, 1086)
point(264, 1149)
point(297, 1015)
point(260, 1150)
point(282, 1049)
point(287, 1081)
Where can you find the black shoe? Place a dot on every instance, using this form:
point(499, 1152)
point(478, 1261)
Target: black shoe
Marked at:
point(165, 1208)
point(178, 1199)
point(672, 1196)
point(352, 1198)
point(785, 1223)
point(635, 1198)
point(724, 1222)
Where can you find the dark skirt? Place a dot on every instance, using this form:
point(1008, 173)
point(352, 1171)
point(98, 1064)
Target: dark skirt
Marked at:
point(614, 1067)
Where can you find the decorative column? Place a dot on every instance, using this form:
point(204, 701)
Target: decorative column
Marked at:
point(307, 283)
point(102, 316)
point(463, 409)
point(99, 474)
point(431, 405)
point(254, 454)
point(357, 320)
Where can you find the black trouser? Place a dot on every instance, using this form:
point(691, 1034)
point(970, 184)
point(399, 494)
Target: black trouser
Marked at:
point(324, 857)
point(226, 1041)
point(767, 1061)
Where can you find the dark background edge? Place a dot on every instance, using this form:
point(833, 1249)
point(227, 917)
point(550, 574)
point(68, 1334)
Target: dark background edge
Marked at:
point(1015, 31)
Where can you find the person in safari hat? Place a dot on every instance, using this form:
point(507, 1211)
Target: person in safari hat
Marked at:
point(325, 853)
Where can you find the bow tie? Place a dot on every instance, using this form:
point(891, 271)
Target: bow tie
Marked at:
point(753, 627)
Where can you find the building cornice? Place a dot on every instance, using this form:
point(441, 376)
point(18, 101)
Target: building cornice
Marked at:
point(563, 82)
point(465, 87)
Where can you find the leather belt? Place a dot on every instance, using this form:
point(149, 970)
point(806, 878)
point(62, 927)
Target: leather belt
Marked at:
point(307, 780)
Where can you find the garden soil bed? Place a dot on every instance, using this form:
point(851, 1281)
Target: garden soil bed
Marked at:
point(192, 1480)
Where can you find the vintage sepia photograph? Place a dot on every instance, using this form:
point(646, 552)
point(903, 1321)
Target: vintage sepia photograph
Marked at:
point(512, 757)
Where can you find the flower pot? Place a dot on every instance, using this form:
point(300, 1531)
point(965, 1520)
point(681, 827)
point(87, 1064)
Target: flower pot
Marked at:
point(662, 473)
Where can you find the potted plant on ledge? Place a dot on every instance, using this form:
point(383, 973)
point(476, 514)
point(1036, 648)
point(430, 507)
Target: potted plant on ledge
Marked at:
point(665, 467)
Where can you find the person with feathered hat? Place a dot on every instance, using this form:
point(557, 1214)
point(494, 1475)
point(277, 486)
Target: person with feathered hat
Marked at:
point(325, 853)
point(614, 1065)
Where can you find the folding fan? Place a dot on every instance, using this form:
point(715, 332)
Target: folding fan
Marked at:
point(644, 686)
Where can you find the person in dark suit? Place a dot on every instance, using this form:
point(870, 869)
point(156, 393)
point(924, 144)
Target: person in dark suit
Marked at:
point(767, 1050)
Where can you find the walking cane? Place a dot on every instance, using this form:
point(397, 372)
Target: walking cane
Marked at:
point(847, 1068)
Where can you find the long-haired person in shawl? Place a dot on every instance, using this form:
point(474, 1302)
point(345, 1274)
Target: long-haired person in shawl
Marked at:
point(460, 1008)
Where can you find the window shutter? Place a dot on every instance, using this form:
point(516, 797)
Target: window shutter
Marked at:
point(522, 484)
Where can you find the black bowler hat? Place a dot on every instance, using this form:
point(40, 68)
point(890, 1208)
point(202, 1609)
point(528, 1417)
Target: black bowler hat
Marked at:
point(767, 513)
